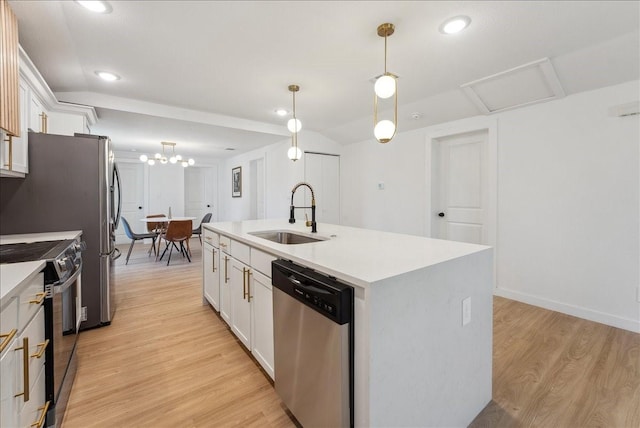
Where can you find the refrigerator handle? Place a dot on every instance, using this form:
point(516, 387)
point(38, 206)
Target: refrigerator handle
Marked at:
point(116, 178)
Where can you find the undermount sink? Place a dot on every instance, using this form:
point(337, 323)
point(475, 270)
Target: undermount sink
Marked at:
point(286, 237)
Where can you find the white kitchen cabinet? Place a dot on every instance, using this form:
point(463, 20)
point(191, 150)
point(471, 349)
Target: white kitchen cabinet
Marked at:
point(241, 301)
point(22, 355)
point(225, 278)
point(211, 269)
point(262, 320)
point(14, 151)
point(245, 294)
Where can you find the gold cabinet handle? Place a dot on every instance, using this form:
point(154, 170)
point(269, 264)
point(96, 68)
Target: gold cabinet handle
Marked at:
point(9, 163)
point(7, 338)
point(43, 122)
point(226, 270)
point(249, 285)
point(244, 283)
point(39, 298)
point(25, 368)
point(42, 347)
point(214, 260)
point(40, 422)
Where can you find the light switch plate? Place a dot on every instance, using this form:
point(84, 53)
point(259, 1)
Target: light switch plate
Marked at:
point(466, 311)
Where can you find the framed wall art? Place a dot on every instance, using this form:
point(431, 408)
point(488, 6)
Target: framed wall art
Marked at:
point(236, 182)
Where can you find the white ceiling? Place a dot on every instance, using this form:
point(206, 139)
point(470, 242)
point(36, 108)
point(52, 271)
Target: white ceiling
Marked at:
point(208, 75)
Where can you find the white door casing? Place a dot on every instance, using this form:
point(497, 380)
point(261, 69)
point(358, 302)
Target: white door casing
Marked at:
point(132, 194)
point(479, 125)
point(460, 193)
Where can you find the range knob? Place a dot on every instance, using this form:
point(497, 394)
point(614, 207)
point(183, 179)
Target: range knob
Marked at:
point(80, 246)
point(63, 264)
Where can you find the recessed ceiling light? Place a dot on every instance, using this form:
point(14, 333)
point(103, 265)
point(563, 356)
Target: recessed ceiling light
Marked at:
point(281, 112)
point(455, 24)
point(95, 6)
point(109, 77)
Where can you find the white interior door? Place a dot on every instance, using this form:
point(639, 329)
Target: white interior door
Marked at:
point(200, 192)
point(322, 172)
point(460, 188)
point(132, 181)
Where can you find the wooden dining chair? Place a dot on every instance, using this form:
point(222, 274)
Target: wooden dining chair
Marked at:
point(178, 232)
point(158, 228)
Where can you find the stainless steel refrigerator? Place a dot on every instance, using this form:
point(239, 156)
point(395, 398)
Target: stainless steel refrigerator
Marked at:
point(72, 184)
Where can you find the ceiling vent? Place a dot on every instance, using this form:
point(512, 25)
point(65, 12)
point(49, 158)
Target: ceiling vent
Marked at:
point(622, 110)
point(527, 84)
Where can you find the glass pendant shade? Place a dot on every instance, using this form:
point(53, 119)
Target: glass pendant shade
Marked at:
point(384, 131)
point(144, 158)
point(163, 159)
point(385, 86)
point(294, 125)
point(151, 162)
point(173, 159)
point(294, 153)
point(191, 162)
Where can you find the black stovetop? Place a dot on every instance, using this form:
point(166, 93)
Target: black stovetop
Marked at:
point(30, 251)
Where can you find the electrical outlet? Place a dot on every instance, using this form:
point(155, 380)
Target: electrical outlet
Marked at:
point(83, 314)
point(466, 311)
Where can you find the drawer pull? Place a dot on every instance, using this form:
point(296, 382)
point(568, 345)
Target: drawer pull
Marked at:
point(42, 347)
point(25, 368)
point(7, 338)
point(40, 422)
point(39, 298)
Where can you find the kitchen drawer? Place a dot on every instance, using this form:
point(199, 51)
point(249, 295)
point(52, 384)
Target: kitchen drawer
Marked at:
point(211, 237)
point(240, 251)
point(261, 261)
point(225, 244)
point(8, 323)
point(35, 333)
point(32, 411)
point(30, 300)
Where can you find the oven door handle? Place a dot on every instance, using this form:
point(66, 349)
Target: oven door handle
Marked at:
point(61, 287)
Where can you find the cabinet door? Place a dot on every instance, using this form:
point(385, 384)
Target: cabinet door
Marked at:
point(240, 303)
point(36, 110)
point(262, 328)
point(211, 265)
point(8, 386)
point(225, 293)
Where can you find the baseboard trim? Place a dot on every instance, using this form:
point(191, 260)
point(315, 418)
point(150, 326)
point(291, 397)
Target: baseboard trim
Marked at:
point(576, 311)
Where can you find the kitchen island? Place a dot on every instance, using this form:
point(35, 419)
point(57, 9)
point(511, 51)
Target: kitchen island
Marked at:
point(416, 364)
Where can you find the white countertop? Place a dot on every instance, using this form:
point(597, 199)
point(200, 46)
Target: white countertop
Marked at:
point(37, 237)
point(358, 256)
point(14, 274)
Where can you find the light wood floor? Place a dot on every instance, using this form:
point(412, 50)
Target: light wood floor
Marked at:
point(168, 361)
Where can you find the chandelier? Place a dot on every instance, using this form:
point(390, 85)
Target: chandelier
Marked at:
point(162, 158)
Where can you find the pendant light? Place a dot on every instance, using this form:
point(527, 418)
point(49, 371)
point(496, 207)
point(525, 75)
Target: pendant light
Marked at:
point(384, 88)
point(294, 125)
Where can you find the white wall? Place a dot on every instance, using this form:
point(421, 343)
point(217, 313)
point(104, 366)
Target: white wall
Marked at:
point(281, 174)
point(567, 201)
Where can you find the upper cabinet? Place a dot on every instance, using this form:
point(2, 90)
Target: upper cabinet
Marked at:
point(9, 108)
point(39, 111)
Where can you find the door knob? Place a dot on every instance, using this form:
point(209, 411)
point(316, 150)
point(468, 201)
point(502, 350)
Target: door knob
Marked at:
point(139, 208)
point(208, 206)
point(440, 214)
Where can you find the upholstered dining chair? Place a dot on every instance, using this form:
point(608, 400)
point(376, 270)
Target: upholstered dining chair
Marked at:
point(198, 230)
point(135, 236)
point(157, 228)
point(178, 232)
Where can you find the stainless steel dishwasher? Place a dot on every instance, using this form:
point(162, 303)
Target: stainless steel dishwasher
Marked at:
point(313, 345)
